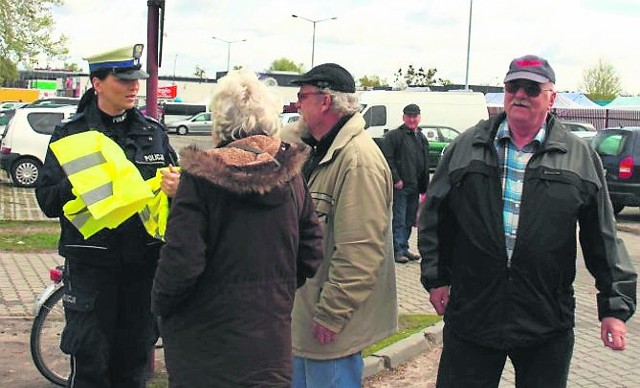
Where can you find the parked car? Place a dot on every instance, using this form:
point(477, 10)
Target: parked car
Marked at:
point(199, 123)
point(9, 105)
point(25, 143)
point(5, 117)
point(54, 102)
point(619, 149)
point(288, 118)
point(583, 130)
point(180, 111)
point(439, 137)
point(382, 110)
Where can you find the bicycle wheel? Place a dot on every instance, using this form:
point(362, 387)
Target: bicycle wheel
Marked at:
point(47, 328)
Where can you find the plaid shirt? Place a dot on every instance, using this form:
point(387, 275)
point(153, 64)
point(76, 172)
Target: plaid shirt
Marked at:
point(512, 163)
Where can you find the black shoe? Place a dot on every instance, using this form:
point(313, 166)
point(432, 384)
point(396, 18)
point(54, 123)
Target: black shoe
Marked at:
point(401, 258)
point(412, 256)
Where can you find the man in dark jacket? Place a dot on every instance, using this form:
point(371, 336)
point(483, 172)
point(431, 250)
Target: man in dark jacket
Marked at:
point(407, 152)
point(498, 239)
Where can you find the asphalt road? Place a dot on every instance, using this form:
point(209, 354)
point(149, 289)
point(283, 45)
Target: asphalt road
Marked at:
point(178, 142)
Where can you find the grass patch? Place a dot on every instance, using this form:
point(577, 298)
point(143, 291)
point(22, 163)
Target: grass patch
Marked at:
point(407, 325)
point(28, 236)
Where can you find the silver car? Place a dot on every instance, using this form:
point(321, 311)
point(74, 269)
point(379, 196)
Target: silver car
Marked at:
point(198, 123)
point(583, 130)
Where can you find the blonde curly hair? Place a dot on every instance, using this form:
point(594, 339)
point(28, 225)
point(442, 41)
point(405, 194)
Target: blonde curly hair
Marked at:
point(242, 106)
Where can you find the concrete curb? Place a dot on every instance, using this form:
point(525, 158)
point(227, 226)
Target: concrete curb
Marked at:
point(403, 350)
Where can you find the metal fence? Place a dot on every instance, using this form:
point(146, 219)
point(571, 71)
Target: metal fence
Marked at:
point(600, 118)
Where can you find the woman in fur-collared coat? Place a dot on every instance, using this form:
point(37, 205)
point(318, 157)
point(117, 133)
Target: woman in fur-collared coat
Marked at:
point(242, 235)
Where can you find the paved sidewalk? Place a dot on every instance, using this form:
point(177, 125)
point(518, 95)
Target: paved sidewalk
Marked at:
point(17, 203)
point(25, 275)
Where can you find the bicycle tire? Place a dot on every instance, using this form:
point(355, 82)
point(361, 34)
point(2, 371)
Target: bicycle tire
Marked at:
point(47, 328)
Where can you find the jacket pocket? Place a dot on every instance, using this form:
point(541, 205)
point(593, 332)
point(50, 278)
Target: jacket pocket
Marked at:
point(80, 332)
point(323, 206)
point(79, 301)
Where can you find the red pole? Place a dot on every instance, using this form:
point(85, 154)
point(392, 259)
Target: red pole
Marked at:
point(152, 57)
point(153, 19)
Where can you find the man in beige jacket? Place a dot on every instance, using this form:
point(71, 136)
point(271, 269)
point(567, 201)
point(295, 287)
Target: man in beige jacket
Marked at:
point(351, 302)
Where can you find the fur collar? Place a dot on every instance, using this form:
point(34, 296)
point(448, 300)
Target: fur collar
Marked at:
point(237, 168)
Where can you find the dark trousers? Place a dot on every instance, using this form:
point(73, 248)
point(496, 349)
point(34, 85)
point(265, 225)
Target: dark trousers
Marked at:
point(109, 330)
point(464, 364)
point(405, 207)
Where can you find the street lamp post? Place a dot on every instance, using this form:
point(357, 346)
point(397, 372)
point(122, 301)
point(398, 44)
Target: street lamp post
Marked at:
point(313, 41)
point(466, 78)
point(175, 58)
point(229, 42)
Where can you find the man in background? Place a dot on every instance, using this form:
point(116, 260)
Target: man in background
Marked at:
point(407, 152)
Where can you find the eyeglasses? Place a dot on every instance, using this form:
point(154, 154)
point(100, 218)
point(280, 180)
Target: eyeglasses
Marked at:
point(302, 96)
point(532, 89)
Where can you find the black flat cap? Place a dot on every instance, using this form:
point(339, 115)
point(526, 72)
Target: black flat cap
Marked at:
point(411, 110)
point(328, 75)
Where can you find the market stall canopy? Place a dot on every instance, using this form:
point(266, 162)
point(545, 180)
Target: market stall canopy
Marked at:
point(563, 100)
point(624, 102)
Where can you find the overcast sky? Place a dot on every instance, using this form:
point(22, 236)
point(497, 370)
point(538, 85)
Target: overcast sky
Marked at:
point(371, 37)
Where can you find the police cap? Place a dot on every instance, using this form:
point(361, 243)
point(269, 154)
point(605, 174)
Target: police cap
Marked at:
point(123, 63)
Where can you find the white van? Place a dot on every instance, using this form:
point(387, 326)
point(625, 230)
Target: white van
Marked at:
point(178, 111)
point(382, 109)
point(25, 143)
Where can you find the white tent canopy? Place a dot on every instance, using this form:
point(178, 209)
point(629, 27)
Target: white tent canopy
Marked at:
point(563, 100)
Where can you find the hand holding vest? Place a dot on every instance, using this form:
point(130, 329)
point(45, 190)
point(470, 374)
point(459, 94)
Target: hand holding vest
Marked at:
point(108, 187)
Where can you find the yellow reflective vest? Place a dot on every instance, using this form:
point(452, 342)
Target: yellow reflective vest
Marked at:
point(108, 187)
point(155, 213)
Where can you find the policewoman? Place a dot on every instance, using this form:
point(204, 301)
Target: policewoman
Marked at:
point(109, 329)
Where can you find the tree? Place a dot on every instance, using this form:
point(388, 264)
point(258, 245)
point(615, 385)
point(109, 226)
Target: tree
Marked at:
point(26, 32)
point(601, 81)
point(8, 71)
point(413, 77)
point(372, 81)
point(72, 67)
point(284, 64)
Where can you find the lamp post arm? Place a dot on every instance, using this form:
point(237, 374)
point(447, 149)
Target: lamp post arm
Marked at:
point(313, 39)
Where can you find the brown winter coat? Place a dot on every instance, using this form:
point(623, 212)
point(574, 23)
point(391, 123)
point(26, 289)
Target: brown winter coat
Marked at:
point(238, 245)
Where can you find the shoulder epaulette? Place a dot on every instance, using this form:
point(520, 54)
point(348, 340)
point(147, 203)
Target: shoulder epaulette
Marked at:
point(74, 117)
point(151, 119)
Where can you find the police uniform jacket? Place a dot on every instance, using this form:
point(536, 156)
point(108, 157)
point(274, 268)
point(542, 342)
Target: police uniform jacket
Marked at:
point(502, 304)
point(146, 145)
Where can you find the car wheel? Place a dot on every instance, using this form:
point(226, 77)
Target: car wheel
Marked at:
point(617, 208)
point(25, 172)
point(182, 130)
